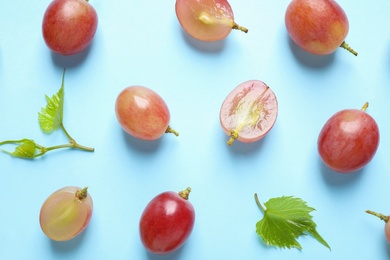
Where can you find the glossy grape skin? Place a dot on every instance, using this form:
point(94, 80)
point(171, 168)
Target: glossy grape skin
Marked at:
point(66, 213)
point(167, 222)
point(69, 26)
point(206, 20)
point(143, 113)
point(348, 141)
point(317, 26)
point(249, 112)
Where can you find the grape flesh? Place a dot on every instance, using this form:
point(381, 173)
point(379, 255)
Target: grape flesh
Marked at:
point(317, 26)
point(206, 20)
point(348, 141)
point(66, 213)
point(143, 113)
point(249, 112)
point(69, 26)
point(167, 222)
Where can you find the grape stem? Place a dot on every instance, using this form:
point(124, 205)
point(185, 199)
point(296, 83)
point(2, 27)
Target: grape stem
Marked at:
point(82, 194)
point(379, 215)
point(259, 204)
point(185, 193)
point(208, 19)
point(172, 131)
point(365, 106)
point(344, 45)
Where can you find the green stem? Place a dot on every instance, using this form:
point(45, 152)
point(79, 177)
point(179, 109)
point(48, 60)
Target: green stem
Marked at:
point(172, 131)
point(185, 193)
point(259, 204)
point(73, 143)
point(365, 106)
point(82, 194)
point(379, 215)
point(346, 46)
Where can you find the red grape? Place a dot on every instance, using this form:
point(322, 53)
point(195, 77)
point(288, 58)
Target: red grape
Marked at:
point(142, 113)
point(69, 26)
point(249, 112)
point(349, 140)
point(317, 26)
point(167, 222)
point(385, 219)
point(66, 213)
point(206, 20)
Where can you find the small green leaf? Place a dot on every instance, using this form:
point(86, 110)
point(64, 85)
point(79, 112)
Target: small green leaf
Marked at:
point(285, 219)
point(50, 117)
point(25, 148)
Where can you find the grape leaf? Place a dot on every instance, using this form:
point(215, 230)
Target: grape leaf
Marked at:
point(25, 148)
point(285, 219)
point(50, 117)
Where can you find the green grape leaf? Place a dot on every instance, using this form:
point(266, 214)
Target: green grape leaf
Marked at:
point(25, 148)
point(285, 219)
point(50, 117)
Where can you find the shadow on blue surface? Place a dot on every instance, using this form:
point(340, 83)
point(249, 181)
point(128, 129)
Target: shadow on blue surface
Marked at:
point(171, 256)
point(71, 60)
point(203, 46)
point(68, 247)
point(309, 60)
point(338, 179)
point(141, 145)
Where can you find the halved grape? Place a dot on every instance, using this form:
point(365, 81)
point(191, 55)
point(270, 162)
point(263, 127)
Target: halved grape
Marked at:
point(206, 20)
point(249, 112)
point(66, 213)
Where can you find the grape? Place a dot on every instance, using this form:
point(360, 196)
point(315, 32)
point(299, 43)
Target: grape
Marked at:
point(66, 213)
point(249, 112)
point(142, 113)
point(206, 20)
point(167, 222)
point(69, 26)
point(317, 26)
point(348, 141)
point(385, 219)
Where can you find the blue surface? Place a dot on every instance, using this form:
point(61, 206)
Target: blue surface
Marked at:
point(142, 43)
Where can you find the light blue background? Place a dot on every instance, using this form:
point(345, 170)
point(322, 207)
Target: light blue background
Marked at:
point(141, 42)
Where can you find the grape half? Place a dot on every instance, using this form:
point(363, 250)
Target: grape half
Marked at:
point(66, 213)
point(249, 112)
point(167, 222)
point(142, 113)
point(348, 141)
point(206, 20)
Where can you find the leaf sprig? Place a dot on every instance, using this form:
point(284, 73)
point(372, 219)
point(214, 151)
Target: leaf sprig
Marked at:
point(50, 119)
point(285, 219)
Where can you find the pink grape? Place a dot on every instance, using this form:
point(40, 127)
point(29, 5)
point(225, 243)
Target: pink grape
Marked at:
point(348, 141)
point(69, 26)
point(206, 20)
point(143, 113)
point(66, 213)
point(249, 112)
point(317, 26)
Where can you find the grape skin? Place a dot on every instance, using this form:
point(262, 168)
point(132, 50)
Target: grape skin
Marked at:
point(69, 26)
point(167, 222)
point(348, 141)
point(63, 215)
point(142, 113)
